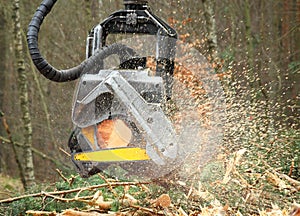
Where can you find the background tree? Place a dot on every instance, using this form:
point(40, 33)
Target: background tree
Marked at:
point(27, 162)
point(209, 8)
point(3, 47)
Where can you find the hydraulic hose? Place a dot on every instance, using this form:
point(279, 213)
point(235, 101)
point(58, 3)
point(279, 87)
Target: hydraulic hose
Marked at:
point(90, 65)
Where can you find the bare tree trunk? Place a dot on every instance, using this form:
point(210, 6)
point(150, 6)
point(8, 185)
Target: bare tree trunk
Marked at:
point(297, 41)
point(210, 24)
point(14, 147)
point(285, 31)
point(249, 43)
point(23, 96)
point(92, 11)
point(3, 39)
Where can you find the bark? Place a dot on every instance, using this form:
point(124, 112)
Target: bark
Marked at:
point(44, 105)
point(42, 155)
point(92, 9)
point(210, 24)
point(298, 10)
point(254, 73)
point(14, 147)
point(296, 35)
point(3, 54)
point(2, 68)
point(285, 30)
point(248, 34)
point(23, 97)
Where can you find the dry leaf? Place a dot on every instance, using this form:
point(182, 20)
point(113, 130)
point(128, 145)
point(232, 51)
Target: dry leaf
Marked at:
point(181, 183)
point(295, 210)
point(275, 211)
point(129, 200)
point(232, 165)
point(105, 205)
point(96, 195)
point(182, 212)
point(205, 195)
point(40, 213)
point(239, 213)
point(276, 181)
point(216, 211)
point(145, 188)
point(126, 188)
point(163, 200)
point(70, 212)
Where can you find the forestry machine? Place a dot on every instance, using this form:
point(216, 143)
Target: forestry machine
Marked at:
point(119, 117)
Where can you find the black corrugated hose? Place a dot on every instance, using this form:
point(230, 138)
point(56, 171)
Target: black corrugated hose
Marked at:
point(86, 66)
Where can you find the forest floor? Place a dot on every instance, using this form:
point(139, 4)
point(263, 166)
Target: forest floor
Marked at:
point(9, 184)
point(219, 190)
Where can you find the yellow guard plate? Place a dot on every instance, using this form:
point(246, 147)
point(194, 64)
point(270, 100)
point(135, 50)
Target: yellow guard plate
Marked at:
point(113, 155)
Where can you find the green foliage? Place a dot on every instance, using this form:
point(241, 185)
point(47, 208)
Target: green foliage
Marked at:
point(228, 57)
point(46, 203)
point(79, 182)
point(258, 181)
point(294, 67)
point(280, 152)
point(115, 206)
point(49, 204)
point(285, 152)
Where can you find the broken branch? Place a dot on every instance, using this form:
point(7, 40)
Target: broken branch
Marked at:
point(63, 192)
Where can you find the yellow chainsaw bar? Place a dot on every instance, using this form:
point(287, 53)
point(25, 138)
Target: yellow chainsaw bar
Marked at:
point(113, 155)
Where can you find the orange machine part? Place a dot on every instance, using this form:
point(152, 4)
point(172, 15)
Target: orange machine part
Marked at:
point(113, 133)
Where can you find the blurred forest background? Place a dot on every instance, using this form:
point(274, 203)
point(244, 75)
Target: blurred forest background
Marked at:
point(253, 44)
